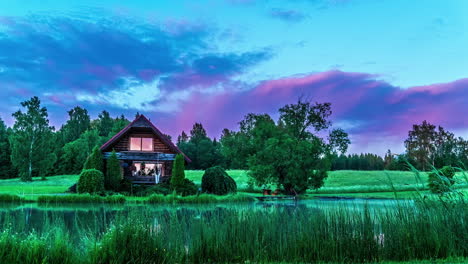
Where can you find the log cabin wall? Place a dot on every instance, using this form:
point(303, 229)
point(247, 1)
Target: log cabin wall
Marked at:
point(124, 143)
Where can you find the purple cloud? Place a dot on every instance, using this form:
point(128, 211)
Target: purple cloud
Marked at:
point(375, 113)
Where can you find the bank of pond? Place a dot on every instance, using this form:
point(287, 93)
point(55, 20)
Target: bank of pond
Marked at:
point(321, 230)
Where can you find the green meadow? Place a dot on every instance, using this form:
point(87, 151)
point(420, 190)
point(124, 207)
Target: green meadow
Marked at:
point(360, 184)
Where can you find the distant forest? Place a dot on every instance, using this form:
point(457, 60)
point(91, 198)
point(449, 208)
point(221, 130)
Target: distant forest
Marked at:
point(31, 147)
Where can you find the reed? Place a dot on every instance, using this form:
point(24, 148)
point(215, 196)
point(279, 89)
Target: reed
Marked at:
point(80, 198)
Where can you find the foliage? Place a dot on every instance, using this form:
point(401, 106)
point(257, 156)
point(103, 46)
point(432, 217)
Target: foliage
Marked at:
point(31, 140)
point(76, 151)
point(339, 141)
point(429, 147)
point(90, 181)
point(94, 160)
point(215, 180)
point(288, 154)
point(6, 167)
point(119, 124)
point(113, 173)
point(78, 122)
point(187, 187)
point(10, 198)
point(203, 151)
point(441, 180)
point(178, 172)
point(363, 161)
point(103, 124)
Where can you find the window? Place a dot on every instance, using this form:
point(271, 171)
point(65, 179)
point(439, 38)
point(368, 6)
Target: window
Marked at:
point(141, 144)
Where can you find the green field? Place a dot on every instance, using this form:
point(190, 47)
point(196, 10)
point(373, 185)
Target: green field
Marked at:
point(368, 184)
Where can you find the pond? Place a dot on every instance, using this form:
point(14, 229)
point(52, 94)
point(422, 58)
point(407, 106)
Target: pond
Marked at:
point(98, 217)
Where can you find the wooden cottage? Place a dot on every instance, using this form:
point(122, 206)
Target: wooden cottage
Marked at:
point(146, 155)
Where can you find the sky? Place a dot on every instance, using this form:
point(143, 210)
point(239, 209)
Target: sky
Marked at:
point(384, 65)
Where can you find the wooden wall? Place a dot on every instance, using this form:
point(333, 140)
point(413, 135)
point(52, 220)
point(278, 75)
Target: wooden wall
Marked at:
point(124, 143)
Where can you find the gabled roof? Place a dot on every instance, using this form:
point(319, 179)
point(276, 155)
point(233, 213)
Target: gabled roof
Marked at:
point(142, 121)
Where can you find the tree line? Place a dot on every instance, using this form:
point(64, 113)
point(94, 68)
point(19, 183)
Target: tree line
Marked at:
point(31, 147)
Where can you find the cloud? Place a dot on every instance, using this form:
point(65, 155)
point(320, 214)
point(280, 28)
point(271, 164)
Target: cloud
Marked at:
point(288, 15)
point(377, 114)
point(124, 63)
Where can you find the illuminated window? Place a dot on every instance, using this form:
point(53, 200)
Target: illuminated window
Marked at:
point(141, 144)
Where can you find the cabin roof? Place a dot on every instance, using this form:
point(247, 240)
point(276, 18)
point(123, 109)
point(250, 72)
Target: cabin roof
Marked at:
point(138, 122)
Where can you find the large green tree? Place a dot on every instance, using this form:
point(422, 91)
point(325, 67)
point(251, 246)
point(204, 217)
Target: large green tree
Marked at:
point(6, 168)
point(78, 122)
point(289, 153)
point(32, 140)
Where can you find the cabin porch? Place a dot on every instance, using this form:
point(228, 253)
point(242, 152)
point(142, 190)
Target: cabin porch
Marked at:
point(144, 167)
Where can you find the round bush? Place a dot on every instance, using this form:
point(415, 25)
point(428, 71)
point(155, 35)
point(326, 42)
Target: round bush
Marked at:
point(217, 181)
point(90, 181)
point(441, 180)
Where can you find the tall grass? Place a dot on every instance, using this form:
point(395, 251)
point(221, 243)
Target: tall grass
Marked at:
point(407, 232)
point(199, 199)
point(80, 198)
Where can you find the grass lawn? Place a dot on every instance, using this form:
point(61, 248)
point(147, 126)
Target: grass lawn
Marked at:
point(365, 184)
point(53, 185)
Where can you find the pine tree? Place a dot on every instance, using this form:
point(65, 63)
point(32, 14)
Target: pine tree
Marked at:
point(178, 172)
point(94, 160)
point(113, 173)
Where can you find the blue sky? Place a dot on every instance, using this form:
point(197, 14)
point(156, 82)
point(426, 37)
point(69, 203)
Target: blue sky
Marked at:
point(181, 61)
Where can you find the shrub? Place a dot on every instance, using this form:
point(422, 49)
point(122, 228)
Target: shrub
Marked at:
point(10, 198)
point(188, 187)
point(215, 180)
point(161, 188)
point(441, 180)
point(94, 160)
point(113, 173)
point(90, 181)
point(178, 172)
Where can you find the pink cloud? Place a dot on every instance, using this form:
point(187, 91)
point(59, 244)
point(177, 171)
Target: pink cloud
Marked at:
point(382, 113)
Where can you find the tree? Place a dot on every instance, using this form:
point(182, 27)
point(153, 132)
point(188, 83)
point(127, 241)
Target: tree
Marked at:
point(288, 154)
point(119, 124)
point(420, 144)
point(78, 122)
point(339, 141)
point(73, 153)
point(6, 168)
point(32, 140)
point(203, 151)
point(104, 124)
point(95, 160)
point(182, 138)
point(178, 172)
point(113, 173)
